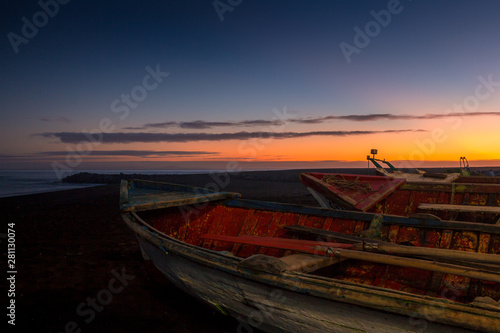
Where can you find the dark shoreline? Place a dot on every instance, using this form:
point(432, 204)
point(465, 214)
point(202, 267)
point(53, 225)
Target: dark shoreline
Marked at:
point(272, 175)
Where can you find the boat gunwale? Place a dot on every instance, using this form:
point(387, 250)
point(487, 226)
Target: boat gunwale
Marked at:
point(196, 195)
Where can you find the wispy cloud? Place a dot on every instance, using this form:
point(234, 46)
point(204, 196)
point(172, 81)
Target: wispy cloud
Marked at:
point(388, 116)
point(76, 137)
point(201, 124)
point(55, 119)
point(136, 153)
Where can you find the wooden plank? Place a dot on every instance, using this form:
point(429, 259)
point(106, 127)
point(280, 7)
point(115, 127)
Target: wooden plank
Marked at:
point(246, 229)
point(213, 223)
point(328, 223)
point(286, 219)
point(230, 223)
point(461, 208)
point(409, 235)
point(446, 237)
point(360, 226)
point(398, 203)
point(262, 219)
point(200, 224)
point(314, 222)
point(393, 233)
point(345, 226)
point(313, 247)
point(484, 243)
point(271, 231)
point(465, 241)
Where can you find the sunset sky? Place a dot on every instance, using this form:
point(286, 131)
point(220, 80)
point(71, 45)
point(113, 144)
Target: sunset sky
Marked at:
point(134, 84)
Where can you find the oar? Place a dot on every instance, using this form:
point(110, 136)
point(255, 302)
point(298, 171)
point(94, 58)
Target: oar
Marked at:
point(397, 249)
point(340, 250)
point(417, 263)
point(445, 254)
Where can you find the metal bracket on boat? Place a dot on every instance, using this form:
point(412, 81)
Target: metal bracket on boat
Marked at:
point(378, 166)
point(370, 246)
point(333, 252)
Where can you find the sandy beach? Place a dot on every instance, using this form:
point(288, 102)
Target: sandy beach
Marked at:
point(73, 248)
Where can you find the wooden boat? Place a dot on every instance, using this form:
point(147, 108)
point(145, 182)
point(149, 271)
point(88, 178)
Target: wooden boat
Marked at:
point(450, 201)
point(452, 177)
point(424, 177)
point(289, 268)
point(464, 174)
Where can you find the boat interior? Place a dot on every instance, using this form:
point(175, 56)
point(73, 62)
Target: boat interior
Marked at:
point(201, 224)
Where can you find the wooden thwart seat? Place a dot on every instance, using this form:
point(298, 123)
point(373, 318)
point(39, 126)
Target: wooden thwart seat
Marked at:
point(460, 208)
point(302, 262)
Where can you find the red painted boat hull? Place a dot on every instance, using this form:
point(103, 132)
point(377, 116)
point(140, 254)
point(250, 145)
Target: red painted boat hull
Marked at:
point(408, 198)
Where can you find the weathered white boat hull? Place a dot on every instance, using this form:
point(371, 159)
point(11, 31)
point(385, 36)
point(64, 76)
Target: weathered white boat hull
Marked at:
point(275, 309)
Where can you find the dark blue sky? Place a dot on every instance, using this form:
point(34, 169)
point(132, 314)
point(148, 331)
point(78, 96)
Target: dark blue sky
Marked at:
point(262, 55)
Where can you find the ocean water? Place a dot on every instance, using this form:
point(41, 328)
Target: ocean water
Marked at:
point(22, 182)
